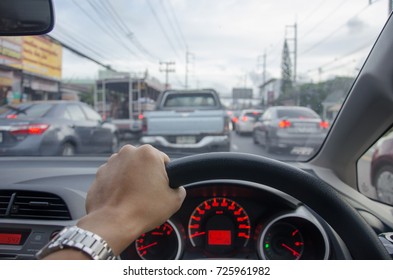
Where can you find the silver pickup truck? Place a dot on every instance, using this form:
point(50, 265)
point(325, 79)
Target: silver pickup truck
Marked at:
point(187, 121)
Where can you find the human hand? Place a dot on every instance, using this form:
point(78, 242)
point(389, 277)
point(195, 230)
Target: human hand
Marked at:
point(130, 196)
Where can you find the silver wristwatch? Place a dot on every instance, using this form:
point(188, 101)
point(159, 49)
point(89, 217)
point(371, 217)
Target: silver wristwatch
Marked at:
point(74, 237)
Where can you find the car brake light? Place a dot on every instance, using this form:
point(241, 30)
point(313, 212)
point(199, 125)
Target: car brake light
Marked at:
point(284, 124)
point(324, 124)
point(30, 129)
point(244, 118)
point(235, 120)
point(140, 116)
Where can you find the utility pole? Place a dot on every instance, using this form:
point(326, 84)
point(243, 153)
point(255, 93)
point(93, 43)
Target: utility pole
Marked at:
point(263, 63)
point(188, 57)
point(167, 69)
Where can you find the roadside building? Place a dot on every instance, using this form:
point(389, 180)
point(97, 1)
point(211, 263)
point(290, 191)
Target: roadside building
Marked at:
point(30, 69)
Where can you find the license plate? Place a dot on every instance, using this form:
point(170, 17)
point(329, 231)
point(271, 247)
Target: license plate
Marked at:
point(185, 140)
point(304, 151)
point(306, 129)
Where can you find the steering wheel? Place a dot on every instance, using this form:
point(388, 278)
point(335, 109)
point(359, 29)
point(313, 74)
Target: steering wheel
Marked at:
point(359, 237)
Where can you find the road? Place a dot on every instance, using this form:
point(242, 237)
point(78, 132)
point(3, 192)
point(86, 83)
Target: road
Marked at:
point(243, 144)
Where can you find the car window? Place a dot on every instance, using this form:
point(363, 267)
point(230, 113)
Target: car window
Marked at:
point(24, 111)
point(91, 114)
point(62, 113)
point(267, 115)
point(296, 113)
point(76, 113)
point(375, 170)
point(253, 114)
point(190, 101)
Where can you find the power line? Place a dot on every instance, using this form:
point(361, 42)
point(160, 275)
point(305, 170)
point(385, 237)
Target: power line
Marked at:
point(317, 7)
point(172, 11)
point(80, 53)
point(324, 19)
point(162, 27)
point(77, 41)
point(175, 32)
point(126, 30)
point(334, 32)
point(341, 57)
point(104, 28)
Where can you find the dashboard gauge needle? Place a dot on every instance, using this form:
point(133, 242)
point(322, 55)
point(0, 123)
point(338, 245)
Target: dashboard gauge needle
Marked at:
point(296, 254)
point(147, 246)
point(197, 234)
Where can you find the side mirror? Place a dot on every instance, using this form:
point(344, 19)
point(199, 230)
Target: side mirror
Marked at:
point(26, 17)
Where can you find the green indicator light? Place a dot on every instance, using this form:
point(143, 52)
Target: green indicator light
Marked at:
point(267, 245)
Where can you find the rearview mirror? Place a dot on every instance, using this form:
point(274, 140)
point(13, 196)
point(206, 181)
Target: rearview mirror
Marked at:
point(26, 17)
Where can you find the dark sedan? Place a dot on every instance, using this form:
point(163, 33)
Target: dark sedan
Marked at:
point(54, 128)
point(298, 130)
point(382, 169)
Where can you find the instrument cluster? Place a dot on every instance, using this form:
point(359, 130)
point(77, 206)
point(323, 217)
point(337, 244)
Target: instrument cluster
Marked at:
point(235, 220)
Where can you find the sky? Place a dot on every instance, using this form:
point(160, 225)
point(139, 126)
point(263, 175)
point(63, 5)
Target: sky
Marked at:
point(224, 41)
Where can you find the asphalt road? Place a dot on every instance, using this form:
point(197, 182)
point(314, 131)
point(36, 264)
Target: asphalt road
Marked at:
point(242, 144)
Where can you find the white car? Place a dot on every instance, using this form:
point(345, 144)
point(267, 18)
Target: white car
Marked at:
point(246, 120)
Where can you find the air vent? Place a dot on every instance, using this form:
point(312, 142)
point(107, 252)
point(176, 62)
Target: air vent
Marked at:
point(36, 205)
point(5, 198)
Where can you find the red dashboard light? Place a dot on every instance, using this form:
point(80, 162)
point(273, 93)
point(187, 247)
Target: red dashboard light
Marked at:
point(219, 237)
point(10, 238)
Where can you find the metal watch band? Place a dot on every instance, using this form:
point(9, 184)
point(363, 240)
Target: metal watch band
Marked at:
point(80, 239)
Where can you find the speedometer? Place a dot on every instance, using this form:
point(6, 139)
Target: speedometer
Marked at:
point(219, 226)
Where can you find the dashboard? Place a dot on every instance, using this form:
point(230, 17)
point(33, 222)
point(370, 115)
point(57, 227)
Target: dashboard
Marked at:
point(226, 219)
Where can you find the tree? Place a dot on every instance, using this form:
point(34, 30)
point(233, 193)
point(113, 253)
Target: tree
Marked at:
point(286, 72)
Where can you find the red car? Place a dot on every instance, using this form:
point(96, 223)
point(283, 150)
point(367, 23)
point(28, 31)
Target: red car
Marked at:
point(382, 169)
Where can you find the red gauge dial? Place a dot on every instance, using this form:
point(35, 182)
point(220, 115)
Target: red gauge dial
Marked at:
point(219, 225)
point(162, 243)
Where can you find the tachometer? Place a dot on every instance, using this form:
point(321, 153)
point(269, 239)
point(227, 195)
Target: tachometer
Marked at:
point(283, 241)
point(162, 243)
point(219, 225)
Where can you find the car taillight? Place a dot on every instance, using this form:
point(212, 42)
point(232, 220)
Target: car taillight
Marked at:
point(29, 129)
point(12, 116)
point(140, 116)
point(244, 118)
point(235, 120)
point(324, 124)
point(284, 124)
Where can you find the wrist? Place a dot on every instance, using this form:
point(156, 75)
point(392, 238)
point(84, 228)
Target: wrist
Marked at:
point(117, 232)
point(72, 241)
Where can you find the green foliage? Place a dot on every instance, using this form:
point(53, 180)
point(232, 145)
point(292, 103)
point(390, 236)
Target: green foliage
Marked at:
point(286, 71)
point(314, 94)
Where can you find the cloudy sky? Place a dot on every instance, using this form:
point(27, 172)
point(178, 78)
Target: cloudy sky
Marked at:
point(225, 39)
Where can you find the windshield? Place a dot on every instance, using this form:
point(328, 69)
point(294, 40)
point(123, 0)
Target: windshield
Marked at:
point(262, 77)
